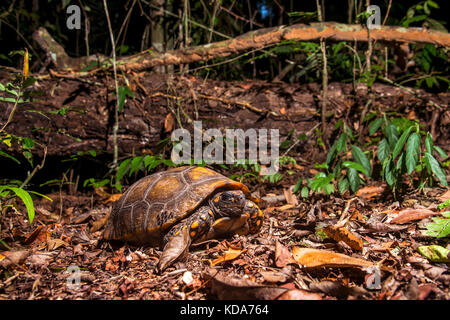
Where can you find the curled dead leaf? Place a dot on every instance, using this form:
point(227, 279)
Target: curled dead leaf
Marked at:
point(283, 256)
point(298, 294)
point(230, 254)
point(113, 198)
point(169, 123)
point(53, 244)
point(411, 214)
point(369, 192)
point(225, 287)
point(9, 258)
point(314, 258)
point(345, 235)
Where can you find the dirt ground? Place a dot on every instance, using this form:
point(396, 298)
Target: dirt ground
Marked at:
point(66, 237)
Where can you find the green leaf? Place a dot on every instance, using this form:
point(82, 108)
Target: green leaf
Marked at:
point(355, 166)
point(343, 185)
point(123, 168)
point(391, 134)
point(429, 143)
point(436, 168)
point(26, 198)
point(388, 173)
point(332, 153)
point(400, 143)
point(433, 4)
point(441, 152)
point(361, 158)
point(383, 150)
point(375, 125)
point(440, 228)
point(305, 192)
point(354, 179)
point(341, 143)
point(123, 93)
point(135, 164)
point(297, 185)
point(435, 253)
point(320, 181)
point(4, 154)
point(412, 151)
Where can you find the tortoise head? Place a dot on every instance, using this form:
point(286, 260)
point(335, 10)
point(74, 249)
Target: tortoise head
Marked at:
point(228, 203)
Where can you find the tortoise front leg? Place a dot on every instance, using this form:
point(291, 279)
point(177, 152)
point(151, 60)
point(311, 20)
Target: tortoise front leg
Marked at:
point(178, 240)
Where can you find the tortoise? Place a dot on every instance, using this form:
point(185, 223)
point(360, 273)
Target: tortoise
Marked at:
point(175, 208)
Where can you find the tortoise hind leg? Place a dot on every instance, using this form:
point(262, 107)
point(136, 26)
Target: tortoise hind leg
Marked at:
point(178, 240)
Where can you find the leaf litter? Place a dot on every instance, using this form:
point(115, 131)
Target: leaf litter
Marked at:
point(308, 249)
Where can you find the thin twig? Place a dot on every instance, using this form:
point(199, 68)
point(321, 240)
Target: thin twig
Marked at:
point(116, 109)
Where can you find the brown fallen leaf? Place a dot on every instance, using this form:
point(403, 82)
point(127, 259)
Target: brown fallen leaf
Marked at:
point(337, 289)
point(380, 227)
point(8, 258)
point(225, 287)
point(290, 197)
point(274, 277)
point(113, 198)
point(312, 258)
point(230, 254)
point(98, 224)
point(169, 123)
point(283, 256)
point(298, 294)
point(411, 214)
point(445, 196)
point(369, 192)
point(53, 244)
point(40, 234)
point(345, 235)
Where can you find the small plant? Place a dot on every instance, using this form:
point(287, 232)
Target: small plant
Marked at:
point(15, 189)
point(440, 227)
point(345, 164)
point(405, 149)
point(137, 164)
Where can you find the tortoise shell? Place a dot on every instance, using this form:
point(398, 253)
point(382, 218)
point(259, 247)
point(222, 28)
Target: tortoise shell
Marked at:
point(153, 204)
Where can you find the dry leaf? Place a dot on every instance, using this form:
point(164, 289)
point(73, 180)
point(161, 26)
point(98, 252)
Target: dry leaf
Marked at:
point(345, 235)
point(337, 289)
point(98, 224)
point(369, 192)
point(230, 254)
point(283, 256)
point(445, 196)
point(283, 110)
point(53, 244)
point(298, 294)
point(169, 123)
point(285, 207)
point(101, 192)
point(290, 197)
point(227, 288)
point(8, 258)
point(113, 198)
point(246, 86)
point(40, 234)
point(312, 258)
point(411, 214)
point(274, 277)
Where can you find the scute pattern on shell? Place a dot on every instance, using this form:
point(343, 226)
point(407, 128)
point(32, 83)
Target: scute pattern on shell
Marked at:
point(152, 205)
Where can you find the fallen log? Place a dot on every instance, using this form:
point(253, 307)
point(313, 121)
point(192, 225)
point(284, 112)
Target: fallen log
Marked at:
point(258, 39)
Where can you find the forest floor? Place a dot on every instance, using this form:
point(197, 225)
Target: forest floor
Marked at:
point(362, 246)
point(67, 236)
